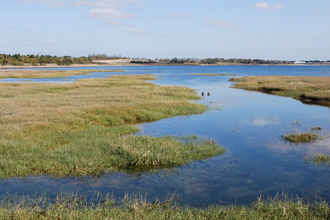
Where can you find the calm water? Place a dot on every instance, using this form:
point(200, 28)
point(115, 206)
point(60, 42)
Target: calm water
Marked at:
point(248, 124)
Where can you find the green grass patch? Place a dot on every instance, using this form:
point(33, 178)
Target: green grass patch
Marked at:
point(308, 89)
point(84, 128)
point(139, 207)
point(305, 137)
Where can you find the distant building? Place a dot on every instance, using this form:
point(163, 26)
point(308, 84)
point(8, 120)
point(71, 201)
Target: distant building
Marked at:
point(299, 62)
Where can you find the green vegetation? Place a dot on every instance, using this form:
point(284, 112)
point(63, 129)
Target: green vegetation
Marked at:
point(300, 137)
point(303, 137)
point(137, 207)
point(142, 62)
point(319, 159)
point(212, 74)
point(243, 61)
point(35, 60)
point(83, 128)
point(47, 73)
point(308, 89)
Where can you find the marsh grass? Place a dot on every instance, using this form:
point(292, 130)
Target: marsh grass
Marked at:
point(47, 73)
point(76, 206)
point(308, 89)
point(304, 137)
point(319, 159)
point(83, 128)
point(212, 74)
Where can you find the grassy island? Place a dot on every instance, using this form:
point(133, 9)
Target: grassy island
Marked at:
point(308, 89)
point(83, 128)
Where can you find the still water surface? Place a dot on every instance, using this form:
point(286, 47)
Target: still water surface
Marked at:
point(248, 124)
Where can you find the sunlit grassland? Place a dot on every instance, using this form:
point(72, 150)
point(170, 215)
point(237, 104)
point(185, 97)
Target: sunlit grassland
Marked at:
point(309, 89)
point(47, 73)
point(139, 207)
point(83, 128)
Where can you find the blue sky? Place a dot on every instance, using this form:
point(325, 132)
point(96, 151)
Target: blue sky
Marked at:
point(257, 29)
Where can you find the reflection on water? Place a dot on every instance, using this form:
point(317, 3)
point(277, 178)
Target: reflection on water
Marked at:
point(248, 124)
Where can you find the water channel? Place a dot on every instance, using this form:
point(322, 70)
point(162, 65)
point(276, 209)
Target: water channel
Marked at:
point(248, 124)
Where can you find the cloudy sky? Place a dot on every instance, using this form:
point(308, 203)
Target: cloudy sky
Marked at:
point(274, 29)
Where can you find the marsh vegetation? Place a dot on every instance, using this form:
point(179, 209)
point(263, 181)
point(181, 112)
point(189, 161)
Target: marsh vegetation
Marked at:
point(83, 128)
point(47, 73)
point(309, 89)
point(303, 137)
point(139, 207)
point(92, 120)
point(319, 159)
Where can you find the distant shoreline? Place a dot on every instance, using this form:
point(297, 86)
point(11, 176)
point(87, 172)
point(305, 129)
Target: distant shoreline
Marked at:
point(120, 64)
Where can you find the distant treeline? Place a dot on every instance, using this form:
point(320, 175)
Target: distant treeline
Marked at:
point(36, 60)
point(105, 57)
point(239, 61)
point(221, 60)
point(243, 61)
point(142, 61)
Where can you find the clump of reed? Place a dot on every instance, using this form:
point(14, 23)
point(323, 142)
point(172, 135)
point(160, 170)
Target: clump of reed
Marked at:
point(309, 89)
point(304, 137)
point(83, 128)
point(319, 159)
point(139, 207)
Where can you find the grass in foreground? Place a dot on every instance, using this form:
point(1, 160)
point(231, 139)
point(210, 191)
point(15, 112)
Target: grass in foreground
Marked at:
point(309, 89)
point(212, 74)
point(137, 207)
point(81, 128)
point(47, 73)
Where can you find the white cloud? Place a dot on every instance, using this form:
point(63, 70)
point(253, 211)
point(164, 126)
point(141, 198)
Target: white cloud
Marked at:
point(105, 3)
point(108, 14)
point(135, 31)
point(107, 9)
point(222, 24)
point(264, 5)
point(34, 0)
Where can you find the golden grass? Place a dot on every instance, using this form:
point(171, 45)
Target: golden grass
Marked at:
point(309, 89)
point(47, 73)
point(77, 128)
